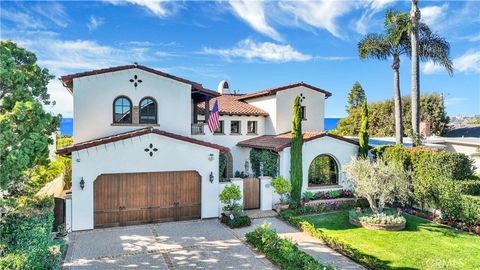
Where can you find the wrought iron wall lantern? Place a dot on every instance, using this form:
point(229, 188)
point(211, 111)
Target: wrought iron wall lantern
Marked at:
point(82, 183)
point(211, 177)
point(210, 157)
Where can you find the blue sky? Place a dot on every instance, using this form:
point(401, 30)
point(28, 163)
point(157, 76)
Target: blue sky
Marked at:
point(254, 45)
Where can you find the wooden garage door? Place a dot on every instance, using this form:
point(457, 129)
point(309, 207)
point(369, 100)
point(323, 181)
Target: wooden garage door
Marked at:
point(135, 198)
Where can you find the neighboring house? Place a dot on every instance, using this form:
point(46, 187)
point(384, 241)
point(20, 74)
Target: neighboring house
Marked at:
point(469, 146)
point(143, 152)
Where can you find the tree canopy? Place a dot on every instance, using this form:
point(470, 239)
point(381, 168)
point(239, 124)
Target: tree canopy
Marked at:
point(381, 121)
point(25, 127)
point(356, 96)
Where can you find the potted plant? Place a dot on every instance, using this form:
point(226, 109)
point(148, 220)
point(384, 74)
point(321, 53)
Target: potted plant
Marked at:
point(308, 196)
point(229, 197)
point(283, 188)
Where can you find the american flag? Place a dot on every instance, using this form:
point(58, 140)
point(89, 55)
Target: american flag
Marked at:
point(214, 120)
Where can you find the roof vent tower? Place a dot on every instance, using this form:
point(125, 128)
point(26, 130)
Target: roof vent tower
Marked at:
point(223, 88)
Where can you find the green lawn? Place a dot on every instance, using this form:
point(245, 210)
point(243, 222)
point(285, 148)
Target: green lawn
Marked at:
point(421, 245)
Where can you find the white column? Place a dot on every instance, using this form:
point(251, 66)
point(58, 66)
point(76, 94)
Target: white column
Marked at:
point(68, 212)
point(266, 193)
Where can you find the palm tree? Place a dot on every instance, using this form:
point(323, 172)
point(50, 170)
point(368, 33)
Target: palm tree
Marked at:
point(427, 46)
point(394, 43)
point(415, 18)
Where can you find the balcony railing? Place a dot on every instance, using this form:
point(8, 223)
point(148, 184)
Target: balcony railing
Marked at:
point(197, 129)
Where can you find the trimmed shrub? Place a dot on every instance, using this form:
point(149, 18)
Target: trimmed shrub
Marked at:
point(230, 194)
point(283, 252)
point(469, 187)
point(237, 221)
point(56, 252)
point(325, 207)
point(282, 187)
point(26, 232)
point(471, 210)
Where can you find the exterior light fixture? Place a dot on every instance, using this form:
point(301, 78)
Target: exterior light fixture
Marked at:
point(210, 157)
point(211, 177)
point(82, 183)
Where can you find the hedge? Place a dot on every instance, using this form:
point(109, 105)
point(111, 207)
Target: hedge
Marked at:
point(237, 221)
point(26, 233)
point(470, 187)
point(438, 179)
point(283, 252)
point(471, 209)
point(346, 249)
point(327, 207)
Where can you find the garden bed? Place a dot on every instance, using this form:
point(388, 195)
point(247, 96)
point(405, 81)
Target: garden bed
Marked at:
point(388, 220)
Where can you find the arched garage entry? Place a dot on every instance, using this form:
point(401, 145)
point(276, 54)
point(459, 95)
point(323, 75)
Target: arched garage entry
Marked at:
point(323, 171)
point(135, 198)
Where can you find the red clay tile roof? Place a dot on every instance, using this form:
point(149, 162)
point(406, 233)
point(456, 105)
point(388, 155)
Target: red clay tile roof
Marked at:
point(229, 105)
point(279, 142)
point(136, 133)
point(273, 91)
point(68, 79)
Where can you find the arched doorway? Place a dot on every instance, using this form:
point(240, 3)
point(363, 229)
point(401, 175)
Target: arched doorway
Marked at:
point(323, 171)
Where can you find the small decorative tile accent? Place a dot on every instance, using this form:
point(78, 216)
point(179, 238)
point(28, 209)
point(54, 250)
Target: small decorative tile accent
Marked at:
point(302, 98)
point(150, 149)
point(135, 80)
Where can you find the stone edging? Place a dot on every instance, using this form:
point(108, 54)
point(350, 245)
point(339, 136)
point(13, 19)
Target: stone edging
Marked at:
point(378, 227)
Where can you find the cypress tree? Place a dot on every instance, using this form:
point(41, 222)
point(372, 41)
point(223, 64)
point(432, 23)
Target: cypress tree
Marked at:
point(296, 175)
point(363, 134)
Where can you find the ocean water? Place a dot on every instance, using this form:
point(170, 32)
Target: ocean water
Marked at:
point(66, 126)
point(331, 123)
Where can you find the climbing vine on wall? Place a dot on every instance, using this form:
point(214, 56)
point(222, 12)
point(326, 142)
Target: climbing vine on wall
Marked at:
point(269, 159)
point(222, 163)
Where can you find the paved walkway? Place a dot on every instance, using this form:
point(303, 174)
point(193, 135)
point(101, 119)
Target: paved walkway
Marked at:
point(313, 246)
point(201, 244)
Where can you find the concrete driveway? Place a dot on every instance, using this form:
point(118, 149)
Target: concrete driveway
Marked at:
point(202, 244)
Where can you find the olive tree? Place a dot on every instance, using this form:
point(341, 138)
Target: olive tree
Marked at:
point(378, 182)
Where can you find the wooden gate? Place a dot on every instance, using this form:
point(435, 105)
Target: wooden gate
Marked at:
point(251, 193)
point(135, 198)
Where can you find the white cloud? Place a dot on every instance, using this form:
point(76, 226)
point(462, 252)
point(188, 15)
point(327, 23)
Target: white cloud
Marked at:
point(319, 14)
point(63, 99)
point(157, 7)
point(265, 51)
point(434, 15)
point(53, 11)
point(22, 20)
point(431, 68)
point(472, 38)
point(468, 62)
point(366, 20)
point(94, 22)
point(454, 101)
point(253, 12)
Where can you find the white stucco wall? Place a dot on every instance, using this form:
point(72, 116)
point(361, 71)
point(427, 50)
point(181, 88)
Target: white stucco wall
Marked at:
point(343, 152)
point(129, 156)
point(469, 150)
point(315, 109)
point(268, 104)
point(239, 154)
point(280, 109)
point(93, 98)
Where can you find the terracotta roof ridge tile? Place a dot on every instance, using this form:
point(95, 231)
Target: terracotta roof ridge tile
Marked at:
point(274, 90)
point(135, 133)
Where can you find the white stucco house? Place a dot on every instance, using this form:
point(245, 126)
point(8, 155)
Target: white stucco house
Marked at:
point(143, 153)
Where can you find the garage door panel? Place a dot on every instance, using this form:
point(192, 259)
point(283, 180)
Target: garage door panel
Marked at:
point(135, 198)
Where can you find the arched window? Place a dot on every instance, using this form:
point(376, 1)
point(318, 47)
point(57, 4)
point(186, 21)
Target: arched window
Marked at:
point(148, 111)
point(122, 110)
point(323, 171)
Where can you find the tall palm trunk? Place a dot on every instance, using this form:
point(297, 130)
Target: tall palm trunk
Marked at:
point(415, 17)
point(397, 98)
